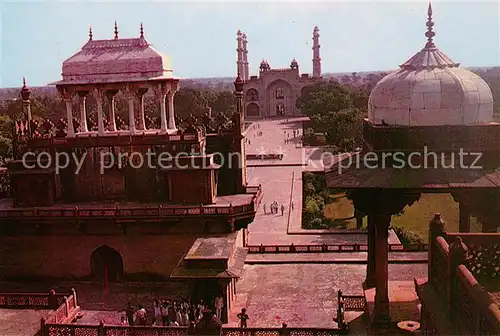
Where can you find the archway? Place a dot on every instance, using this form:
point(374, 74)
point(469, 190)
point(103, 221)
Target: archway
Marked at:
point(106, 262)
point(253, 110)
point(252, 95)
point(279, 92)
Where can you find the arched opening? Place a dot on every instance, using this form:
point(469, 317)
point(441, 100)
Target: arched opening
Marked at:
point(106, 262)
point(252, 95)
point(253, 110)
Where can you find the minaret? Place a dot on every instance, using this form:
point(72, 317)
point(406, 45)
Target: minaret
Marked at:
point(316, 59)
point(240, 66)
point(25, 96)
point(246, 72)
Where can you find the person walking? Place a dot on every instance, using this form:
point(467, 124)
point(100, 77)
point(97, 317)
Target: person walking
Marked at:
point(157, 310)
point(282, 209)
point(243, 318)
point(130, 314)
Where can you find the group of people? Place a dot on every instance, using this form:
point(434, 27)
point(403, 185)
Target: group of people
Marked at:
point(173, 313)
point(275, 208)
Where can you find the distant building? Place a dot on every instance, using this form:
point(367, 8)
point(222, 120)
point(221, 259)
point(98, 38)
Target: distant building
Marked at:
point(274, 92)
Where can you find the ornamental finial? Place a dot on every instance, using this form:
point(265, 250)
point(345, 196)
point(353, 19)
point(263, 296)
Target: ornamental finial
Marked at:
point(142, 31)
point(25, 91)
point(90, 33)
point(430, 33)
point(116, 31)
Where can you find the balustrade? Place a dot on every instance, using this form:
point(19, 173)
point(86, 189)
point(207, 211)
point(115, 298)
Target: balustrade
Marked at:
point(330, 248)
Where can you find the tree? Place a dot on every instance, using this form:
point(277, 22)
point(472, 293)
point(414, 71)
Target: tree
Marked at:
point(337, 111)
point(225, 102)
point(193, 101)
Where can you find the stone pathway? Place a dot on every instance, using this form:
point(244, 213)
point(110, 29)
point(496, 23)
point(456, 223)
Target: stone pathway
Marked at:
point(303, 295)
point(332, 257)
point(277, 180)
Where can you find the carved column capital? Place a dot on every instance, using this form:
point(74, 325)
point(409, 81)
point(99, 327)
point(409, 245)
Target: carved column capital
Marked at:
point(110, 94)
point(98, 93)
point(161, 90)
point(66, 93)
point(130, 92)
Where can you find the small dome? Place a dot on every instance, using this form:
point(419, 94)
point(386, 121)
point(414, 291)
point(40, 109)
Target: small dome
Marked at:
point(430, 89)
point(294, 64)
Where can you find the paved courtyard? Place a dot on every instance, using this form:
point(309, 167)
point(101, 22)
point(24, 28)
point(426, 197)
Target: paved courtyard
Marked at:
point(281, 181)
point(303, 294)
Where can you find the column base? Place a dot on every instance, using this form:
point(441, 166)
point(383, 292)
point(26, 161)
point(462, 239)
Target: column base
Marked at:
point(381, 321)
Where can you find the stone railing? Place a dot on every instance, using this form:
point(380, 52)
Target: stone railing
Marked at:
point(283, 331)
point(110, 330)
point(65, 313)
point(104, 330)
point(330, 248)
point(126, 212)
point(348, 303)
point(468, 305)
point(51, 300)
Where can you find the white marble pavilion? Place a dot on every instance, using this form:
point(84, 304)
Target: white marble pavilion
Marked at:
point(102, 68)
point(430, 90)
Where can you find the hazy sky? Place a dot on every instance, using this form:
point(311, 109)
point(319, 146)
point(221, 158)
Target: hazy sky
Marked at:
point(36, 37)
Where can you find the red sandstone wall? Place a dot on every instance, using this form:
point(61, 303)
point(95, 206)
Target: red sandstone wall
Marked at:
point(69, 255)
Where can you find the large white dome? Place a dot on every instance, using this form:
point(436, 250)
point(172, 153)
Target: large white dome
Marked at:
point(431, 89)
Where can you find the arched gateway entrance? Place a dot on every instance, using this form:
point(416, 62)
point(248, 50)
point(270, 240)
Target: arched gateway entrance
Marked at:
point(106, 262)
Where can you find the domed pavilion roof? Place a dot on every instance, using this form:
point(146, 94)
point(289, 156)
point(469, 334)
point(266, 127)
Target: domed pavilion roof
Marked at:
point(431, 89)
point(116, 60)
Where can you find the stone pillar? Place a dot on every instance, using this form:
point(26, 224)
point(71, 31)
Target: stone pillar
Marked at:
point(161, 93)
point(371, 261)
point(110, 94)
point(68, 99)
point(436, 229)
point(382, 315)
point(464, 219)
point(131, 117)
point(359, 219)
point(141, 118)
point(100, 119)
point(171, 113)
point(83, 111)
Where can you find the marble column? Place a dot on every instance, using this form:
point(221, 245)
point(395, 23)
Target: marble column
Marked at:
point(69, 115)
point(83, 111)
point(141, 118)
point(100, 119)
point(371, 261)
point(382, 315)
point(464, 219)
point(171, 115)
point(161, 93)
point(131, 117)
point(110, 94)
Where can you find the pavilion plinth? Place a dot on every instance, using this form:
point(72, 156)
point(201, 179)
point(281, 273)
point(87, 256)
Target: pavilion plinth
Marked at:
point(477, 138)
point(213, 265)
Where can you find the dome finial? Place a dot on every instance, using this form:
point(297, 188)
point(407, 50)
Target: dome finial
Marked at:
point(90, 33)
point(142, 31)
point(116, 31)
point(430, 33)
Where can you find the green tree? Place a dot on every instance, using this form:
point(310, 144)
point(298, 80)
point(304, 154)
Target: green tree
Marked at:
point(225, 102)
point(337, 111)
point(193, 101)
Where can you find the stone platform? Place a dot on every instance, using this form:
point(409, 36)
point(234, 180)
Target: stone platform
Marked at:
point(404, 302)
